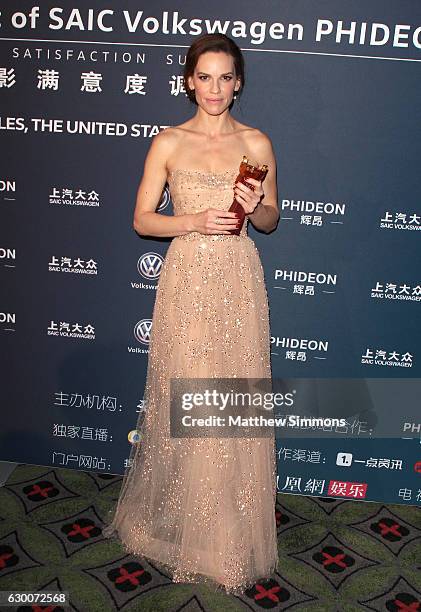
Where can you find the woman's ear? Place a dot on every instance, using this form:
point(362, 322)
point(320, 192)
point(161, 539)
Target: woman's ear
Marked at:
point(190, 83)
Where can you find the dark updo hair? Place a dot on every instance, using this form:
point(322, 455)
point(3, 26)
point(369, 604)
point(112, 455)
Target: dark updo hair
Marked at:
point(215, 43)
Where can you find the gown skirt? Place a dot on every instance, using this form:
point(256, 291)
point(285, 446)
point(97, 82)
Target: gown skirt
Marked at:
point(203, 509)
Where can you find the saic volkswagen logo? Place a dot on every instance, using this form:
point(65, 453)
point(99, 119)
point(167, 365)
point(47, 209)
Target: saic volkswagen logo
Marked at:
point(142, 330)
point(149, 265)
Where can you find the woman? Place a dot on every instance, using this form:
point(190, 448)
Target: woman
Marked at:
point(204, 508)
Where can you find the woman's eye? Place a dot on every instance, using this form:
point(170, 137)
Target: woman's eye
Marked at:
point(204, 77)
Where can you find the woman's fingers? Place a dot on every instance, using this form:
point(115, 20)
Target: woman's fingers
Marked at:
point(221, 221)
point(254, 193)
point(253, 182)
point(248, 197)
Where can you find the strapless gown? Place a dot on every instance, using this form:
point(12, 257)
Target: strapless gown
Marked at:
point(203, 510)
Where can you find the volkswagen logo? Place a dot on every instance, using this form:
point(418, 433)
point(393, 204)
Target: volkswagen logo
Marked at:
point(142, 330)
point(149, 265)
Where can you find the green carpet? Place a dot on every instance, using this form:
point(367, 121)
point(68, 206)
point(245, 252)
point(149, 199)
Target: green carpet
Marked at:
point(336, 555)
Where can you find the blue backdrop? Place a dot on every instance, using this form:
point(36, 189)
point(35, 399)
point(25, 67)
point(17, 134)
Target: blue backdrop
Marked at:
point(336, 85)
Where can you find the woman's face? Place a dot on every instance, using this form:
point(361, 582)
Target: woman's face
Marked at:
point(214, 81)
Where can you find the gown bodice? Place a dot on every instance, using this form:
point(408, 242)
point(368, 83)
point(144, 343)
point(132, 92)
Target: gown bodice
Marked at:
point(194, 191)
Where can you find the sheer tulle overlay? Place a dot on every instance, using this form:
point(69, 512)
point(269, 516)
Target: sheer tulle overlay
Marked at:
point(203, 509)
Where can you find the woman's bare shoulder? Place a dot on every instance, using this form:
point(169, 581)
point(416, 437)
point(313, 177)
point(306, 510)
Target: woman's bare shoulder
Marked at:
point(166, 142)
point(167, 136)
point(253, 136)
point(257, 137)
point(173, 136)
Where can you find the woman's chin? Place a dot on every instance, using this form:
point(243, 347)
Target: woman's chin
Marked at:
point(214, 109)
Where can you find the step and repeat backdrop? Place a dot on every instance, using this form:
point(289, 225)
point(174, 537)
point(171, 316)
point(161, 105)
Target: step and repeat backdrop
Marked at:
point(336, 85)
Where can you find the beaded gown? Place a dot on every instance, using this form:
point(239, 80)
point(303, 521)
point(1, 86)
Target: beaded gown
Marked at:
point(203, 509)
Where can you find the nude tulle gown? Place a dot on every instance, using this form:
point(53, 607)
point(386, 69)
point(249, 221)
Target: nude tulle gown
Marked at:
point(203, 510)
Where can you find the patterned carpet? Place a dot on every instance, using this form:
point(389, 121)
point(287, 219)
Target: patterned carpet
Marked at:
point(336, 555)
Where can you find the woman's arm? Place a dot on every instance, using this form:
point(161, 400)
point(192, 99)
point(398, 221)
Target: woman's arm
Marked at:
point(266, 214)
point(146, 221)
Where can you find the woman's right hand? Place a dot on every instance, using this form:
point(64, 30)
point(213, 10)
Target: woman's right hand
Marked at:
point(204, 222)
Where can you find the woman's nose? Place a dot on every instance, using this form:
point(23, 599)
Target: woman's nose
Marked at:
point(215, 86)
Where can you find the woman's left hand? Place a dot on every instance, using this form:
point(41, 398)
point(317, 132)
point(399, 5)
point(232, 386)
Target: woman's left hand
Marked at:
point(248, 198)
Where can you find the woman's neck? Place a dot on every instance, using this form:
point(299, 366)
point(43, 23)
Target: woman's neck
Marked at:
point(213, 125)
